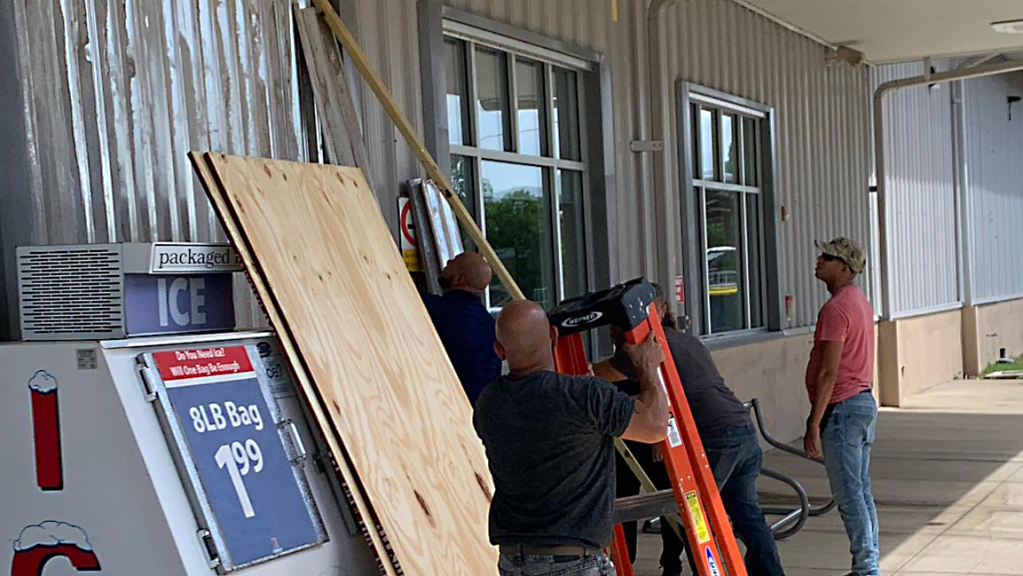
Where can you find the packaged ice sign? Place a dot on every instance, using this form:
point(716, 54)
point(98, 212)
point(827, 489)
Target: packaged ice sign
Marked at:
point(224, 422)
point(161, 304)
point(171, 258)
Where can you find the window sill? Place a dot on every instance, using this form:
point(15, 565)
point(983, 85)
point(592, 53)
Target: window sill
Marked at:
point(742, 339)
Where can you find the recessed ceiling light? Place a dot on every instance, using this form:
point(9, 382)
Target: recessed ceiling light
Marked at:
point(1008, 26)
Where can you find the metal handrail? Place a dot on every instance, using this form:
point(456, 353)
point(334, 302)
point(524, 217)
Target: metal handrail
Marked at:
point(795, 516)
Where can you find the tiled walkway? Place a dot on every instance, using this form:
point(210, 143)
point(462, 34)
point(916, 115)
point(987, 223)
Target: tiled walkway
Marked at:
point(948, 480)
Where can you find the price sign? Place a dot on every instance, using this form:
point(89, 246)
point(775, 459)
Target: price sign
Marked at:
point(234, 446)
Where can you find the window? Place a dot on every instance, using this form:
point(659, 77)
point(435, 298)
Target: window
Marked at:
point(728, 206)
point(517, 162)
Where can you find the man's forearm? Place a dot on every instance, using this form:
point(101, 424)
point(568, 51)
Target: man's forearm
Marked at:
point(825, 387)
point(652, 395)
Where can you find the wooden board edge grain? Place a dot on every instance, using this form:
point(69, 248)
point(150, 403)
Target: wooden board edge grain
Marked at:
point(213, 186)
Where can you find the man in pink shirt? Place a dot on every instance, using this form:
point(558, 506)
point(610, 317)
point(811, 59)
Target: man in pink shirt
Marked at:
point(843, 416)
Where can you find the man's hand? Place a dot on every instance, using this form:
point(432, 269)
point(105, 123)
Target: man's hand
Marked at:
point(649, 423)
point(812, 441)
point(646, 357)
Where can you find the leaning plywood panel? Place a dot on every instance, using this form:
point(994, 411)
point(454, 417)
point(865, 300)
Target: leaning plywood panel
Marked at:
point(368, 520)
point(334, 274)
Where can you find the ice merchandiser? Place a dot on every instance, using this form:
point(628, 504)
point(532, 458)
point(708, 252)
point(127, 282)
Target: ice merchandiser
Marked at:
point(143, 435)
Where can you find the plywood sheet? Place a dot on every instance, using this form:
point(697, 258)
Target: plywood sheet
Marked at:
point(341, 132)
point(368, 520)
point(338, 284)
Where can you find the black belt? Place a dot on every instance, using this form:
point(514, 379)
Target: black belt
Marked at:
point(526, 550)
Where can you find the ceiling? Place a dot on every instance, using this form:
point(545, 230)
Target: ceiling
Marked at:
point(901, 30)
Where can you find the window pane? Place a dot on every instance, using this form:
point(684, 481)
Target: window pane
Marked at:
point(457, 92)
point(694, 125)
point(462, 180)
point(573, 248)
point(519, 229)
point(492, 99)
point(751, 144)
point(728, 146)
point(755, 266)
point(723, 259)
point(708, 166)
point(566, 115)
point(532, 121)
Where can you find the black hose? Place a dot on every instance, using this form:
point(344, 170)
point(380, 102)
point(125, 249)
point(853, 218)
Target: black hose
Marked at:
point(800, 514)
point(796, 517)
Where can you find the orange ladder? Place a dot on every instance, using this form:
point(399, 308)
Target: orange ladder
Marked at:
point(630, 307)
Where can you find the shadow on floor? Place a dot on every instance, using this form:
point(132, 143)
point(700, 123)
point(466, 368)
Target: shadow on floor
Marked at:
point(947, 473)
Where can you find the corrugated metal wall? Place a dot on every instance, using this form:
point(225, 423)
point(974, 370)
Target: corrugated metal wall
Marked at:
point(920, 183)
point(148, 81)
point(822, 129)
point(995, 181)
point(116, 94)
point(821, 107)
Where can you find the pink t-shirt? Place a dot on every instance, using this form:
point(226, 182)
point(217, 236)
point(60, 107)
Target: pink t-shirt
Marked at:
point(847, 317)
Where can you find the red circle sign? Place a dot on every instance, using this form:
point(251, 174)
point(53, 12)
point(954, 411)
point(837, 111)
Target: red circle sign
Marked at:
point(406, 223)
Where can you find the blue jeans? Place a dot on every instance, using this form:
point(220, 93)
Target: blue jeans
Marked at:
point(735, 458)
point(846, 440)
point(525, 565)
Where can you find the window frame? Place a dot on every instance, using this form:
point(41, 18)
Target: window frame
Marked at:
point(439, 23)
point(693, 207)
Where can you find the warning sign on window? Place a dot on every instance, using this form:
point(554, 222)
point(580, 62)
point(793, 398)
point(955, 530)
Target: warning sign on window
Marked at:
point(407, 236)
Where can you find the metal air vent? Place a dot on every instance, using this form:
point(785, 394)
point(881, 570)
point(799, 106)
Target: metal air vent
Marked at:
point(71, 292)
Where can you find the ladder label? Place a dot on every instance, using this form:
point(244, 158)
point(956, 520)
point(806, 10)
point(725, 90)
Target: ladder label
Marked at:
point(696, 514)
point(673, 436)
point(712, 563)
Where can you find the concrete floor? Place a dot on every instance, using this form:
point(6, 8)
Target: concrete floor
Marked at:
point(947, 471)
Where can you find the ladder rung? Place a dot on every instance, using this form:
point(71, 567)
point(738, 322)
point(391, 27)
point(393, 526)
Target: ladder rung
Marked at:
point(645, 506)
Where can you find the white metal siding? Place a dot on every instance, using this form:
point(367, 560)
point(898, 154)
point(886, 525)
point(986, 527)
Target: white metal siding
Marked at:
point(920, 183)
point(995, 182)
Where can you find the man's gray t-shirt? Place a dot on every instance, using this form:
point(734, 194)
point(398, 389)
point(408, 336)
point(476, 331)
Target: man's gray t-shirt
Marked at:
point(713, 405)
point(549, 441)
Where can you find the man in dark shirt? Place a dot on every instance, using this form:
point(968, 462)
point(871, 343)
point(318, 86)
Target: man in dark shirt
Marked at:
point(549, 442)
point(463, 323)
point(728, 437)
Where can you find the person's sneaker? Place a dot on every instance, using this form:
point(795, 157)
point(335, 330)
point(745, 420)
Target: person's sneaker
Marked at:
point(672, 571)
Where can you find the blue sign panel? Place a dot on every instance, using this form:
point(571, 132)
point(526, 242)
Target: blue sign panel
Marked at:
point(234, 443)
point(161, 304)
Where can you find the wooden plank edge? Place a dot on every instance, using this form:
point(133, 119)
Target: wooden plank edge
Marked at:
point(215, 191)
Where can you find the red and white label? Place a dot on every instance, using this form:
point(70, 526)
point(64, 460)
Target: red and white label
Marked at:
point(202, 365)
point(40, 543)
point(45, 408)
point(408, 231)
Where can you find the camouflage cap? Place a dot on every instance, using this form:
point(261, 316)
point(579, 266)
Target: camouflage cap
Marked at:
point(845, 250)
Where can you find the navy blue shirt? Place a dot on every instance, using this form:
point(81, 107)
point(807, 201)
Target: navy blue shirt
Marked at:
point(467, 331)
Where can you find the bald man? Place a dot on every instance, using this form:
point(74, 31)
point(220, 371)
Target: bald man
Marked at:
point(463, 323)
point(549, 441)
